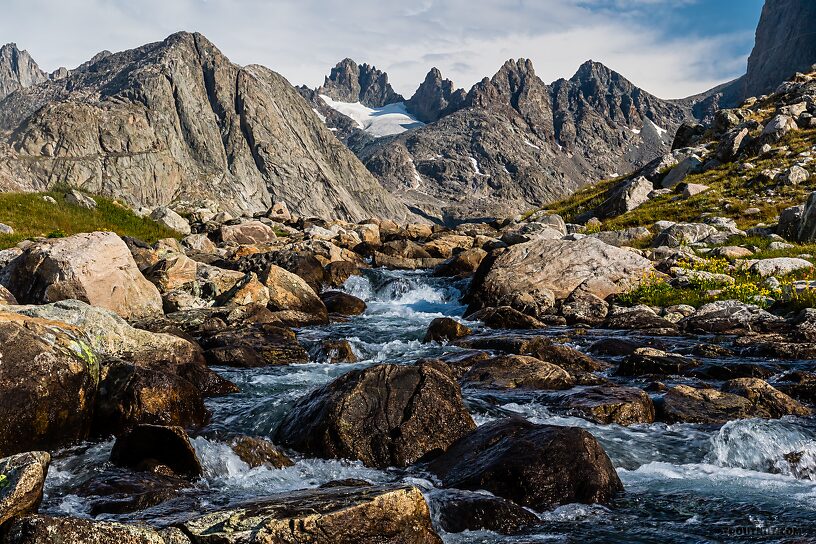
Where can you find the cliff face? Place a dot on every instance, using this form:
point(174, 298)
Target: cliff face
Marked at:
point(17, 70)
point(176, 121)
point(516, 143)
point(350, 82)
point(785, 44)
point(435, 98)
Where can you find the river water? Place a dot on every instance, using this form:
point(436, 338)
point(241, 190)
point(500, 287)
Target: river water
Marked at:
point(684, 483)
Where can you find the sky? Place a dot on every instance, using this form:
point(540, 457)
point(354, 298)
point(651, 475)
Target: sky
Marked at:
point(671, 48)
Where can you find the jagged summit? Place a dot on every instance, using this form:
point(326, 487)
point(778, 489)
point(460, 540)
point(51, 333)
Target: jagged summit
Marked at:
point(363, 83)
point(17, 70)
point(435, 98)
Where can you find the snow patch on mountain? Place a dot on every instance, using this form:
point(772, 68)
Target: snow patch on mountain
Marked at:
point(385, 121)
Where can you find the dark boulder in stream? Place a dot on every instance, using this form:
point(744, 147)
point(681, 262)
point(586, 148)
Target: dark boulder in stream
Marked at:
point(385, 415)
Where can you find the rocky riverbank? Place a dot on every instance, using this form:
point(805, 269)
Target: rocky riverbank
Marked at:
point(388, 417)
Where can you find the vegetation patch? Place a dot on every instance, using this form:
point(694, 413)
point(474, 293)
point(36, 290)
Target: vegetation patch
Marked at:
point(31, 216)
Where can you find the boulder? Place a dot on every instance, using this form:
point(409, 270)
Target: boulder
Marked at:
point(777, 128)
point(694, 189)
point(625, 197)
point(75, 198)
point(584, 309)
point(779, 266)
point(606, 404)
point(6, 297)
point(731, 316)
point(654, 362)
point(22, 477)
point(461, 265)
point(794, 175)
point(530, 277)
point(446, 245)
point(444, 329)
point(459, 511)
point(336, 273)
point(625, 237)
point(689, 165)
point(341, 515)
point(146, 447)
point(765, 397)
point(684, 404)
point(252, 346)
point(170, 219)
point(683, 233)
point(386, 415)
point(96, 268)
point(247, 291)
point(518, 372)
point(807, 225)
point(288, 291)
point(790, 219)
point(51, 530)
point(48, 381)
point(505, 317)
point(114, 490)
point(259, 452)
point(334, 352)
point(539, 466)
point(248, 233)
point(175, 271)
point(732, 143)
point(338, 302)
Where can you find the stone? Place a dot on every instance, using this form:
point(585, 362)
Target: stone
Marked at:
point(765, 397)
point(538, 466)
point(777, 128)
point(338, 272)
point(732, 144)
point(732, 252)
point(779, 266)
point(609, 404)
point(113, 490)
point(96, 268)
point(5, 229)
point(170, 219)
point(248, 233)
point(649, 361)
point(683, 233)
point(253, 346)
point(458, 512)
point(248, 291)
point(584, 309)
point(259, 452)
point(338, 302)
point(689, 165)
point(343, 515)
point(335, 352)
point(794, 175)
point(625, 197)
point(6, 298)
point(517, 372)
point(148, 446)
point(443, 329)
point(49, 376)
point(505, 317)
point(175, 271)
point(385, 415)
point(731, 315)
point(807, 224)
point(21, 489)
point(684, 404)
point(694, 189)
point(461, 265)
point(530, 277)
point(199, 243)
point(75, 198)
point(61, 530)
point(625, 237)
point(288, 291)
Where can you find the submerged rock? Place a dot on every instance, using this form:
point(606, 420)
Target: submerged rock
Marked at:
point(338, 302)
point(518, 372)
point(444, 329)
point(337, 515)
point(254, 345)
point(540, 466)
point(258, 452)
point(609, 404)
point(386, 415)
point(148, 446)
point(458, 512)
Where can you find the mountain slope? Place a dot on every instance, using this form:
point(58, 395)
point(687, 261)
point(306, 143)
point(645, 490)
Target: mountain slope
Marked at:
point(176, 121)
point(518, 143)
point(17, 70)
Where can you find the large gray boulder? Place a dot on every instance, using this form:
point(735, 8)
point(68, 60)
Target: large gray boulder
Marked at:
point(683, 233)
point(530, 277)
point(96, 268)
point(626, 196)
point(807, 226)
point(170, 219)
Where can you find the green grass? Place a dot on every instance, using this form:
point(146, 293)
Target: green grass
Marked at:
point(32, 217)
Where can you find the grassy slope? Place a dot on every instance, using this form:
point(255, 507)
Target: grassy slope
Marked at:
point(30, 216)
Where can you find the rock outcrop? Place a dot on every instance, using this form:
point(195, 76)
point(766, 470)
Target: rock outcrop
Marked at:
point(350, 82)
point(435, 98)
point(177, 122)
point(17, 70)
point(22, 489)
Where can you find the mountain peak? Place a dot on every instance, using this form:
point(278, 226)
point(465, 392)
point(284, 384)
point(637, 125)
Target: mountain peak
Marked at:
point(17, 70)
point(364, 83)
point(593, 70)
point(435, 98)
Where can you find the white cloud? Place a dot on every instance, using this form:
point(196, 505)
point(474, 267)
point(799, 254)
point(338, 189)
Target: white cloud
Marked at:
point(302, 39)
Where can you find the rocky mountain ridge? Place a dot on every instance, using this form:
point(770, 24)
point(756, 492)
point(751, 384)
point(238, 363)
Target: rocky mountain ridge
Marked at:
point(177, 122)
point(17, 70)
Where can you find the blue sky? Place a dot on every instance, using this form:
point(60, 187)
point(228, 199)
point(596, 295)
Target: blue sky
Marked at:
point(672, 48)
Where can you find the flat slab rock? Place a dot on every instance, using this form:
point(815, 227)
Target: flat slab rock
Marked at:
point(338, 515)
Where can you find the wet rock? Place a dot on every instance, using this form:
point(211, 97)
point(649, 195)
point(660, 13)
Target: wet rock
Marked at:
point(505, 317)
point(461, 265)
point(684, 404)
point(765, 397)
point(395, 262)
point(288, 291)
point(22, 477)
point(731, 316)
point(121, 491)
point(336, 352)
point(566, 357)
point(444, 329)
point(732, 370)
point(338, 302)
point(540, 466)
point(96, 268)
point(130, 395)
point(615, 346)
point(148, 446)
point(386, 415)
point(459, 512)
point(799, 384)
point(254, 345)
point(517, 372)
point(49, 530)
point(49, 376)
point(257, 452)
point(531, 277)
point(338, 272)
point(456, 364)
point(609, 404)
point(653, 362)
point(585, 309)
point(343, 515)
point(640, 319)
